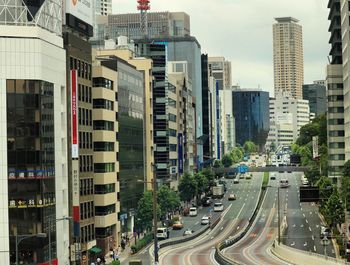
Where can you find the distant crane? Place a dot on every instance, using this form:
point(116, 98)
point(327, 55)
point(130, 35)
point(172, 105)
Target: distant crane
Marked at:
point(143, 6)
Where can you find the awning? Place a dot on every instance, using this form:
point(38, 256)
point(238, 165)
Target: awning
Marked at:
point(95, 250)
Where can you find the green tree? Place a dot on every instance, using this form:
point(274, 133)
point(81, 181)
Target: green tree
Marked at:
point(187, 187)
point(346, 170)
point(249, 147)
point(210, 176)
point(202, 182)
point(334, 209)
point(273, 147)
point(345, 191)
point(168, 200)
point(145, 210)
point(227, 160)
point(237, 154)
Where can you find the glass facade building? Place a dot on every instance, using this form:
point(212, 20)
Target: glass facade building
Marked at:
point(251, 112)
point(316, 95)
point(31, 167)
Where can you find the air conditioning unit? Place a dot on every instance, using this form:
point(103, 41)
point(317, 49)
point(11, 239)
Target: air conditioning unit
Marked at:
point(173, 170)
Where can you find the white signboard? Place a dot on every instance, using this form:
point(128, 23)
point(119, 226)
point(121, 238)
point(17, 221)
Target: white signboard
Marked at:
point(314, 147)
point(82, 9)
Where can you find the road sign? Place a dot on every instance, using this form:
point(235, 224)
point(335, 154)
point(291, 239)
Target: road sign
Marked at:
point(314, 147)
point(325, 241)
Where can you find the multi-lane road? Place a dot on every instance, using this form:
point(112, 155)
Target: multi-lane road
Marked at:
point(201, 250)
point(303, 230)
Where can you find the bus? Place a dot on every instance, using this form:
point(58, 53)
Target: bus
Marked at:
point(284, 183)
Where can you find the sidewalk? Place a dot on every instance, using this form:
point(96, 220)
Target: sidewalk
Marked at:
point(123, 254)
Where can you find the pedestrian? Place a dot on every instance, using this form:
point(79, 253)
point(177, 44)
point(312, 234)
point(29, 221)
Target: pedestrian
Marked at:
point(98, 260)
point(123, 244)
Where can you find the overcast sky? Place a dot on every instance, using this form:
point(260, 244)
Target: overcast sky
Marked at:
point(241, 31)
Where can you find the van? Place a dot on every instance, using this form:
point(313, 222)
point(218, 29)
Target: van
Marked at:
point(162, 233)
point(218, 207)
point(193, 211)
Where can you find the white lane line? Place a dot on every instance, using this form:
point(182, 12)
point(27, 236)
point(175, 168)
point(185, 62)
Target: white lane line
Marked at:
point(304, 215)
point(315, 248)
point(301, 225)
point(305, 244)
point(292, 244)
point(310, 229)
point(293, 225)
point(196, 223)
point(313, 238)
point(306, 221)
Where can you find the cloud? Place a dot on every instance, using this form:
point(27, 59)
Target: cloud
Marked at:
point(241, 30)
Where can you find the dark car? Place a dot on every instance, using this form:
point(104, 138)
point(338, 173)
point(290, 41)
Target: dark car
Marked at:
point(207, 201)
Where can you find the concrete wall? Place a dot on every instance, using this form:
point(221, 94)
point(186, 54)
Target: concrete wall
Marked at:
point(297, 257)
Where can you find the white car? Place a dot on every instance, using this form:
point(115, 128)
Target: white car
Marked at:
point(162, 233)
point(193, 211)
point(205, 220)
point(218, 207)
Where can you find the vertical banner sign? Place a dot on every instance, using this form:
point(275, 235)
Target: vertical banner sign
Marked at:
point(74, 112)
point(180, 152)
point(218, 124)
point(75, 197)
point(314, 147)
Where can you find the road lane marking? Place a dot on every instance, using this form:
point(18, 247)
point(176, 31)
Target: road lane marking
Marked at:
point(304, 215)
point(292, 244)
point(196, 223)
point(313, 238)
point(293, 225)
point(306, 221)
point(315, 248)
point(301, 225)
point(310, 229)
point(305, 244)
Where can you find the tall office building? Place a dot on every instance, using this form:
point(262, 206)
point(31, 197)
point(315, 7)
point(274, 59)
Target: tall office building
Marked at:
point(345, 109)
point(287, 116)
point(78, 21)
point(161, 24)
point(251, 112)
point(221, 70)
point(288, 62)
point(316, 95)
point(33, 142)
point(335, 93)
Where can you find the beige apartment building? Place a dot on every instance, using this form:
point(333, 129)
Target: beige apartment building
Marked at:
point(288, 62)
point(106, 150)
point(125, 51)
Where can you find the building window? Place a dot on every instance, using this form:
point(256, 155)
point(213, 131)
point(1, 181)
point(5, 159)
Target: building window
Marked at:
point(103, 167)
point(102, 82)
point(104, 189)
point(103, 125)
point(104, 146)
point(101, 103)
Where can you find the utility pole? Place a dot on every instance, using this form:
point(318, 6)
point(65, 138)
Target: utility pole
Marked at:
point(155, 223)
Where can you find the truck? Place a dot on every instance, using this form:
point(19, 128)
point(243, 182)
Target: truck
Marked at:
point(218, 191)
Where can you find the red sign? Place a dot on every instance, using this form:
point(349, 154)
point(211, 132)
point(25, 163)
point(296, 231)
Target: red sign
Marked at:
point(53, 262)
point(74, 111)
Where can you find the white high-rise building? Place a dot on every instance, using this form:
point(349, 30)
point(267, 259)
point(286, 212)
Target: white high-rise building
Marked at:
point(287, 116)
point(288, 62)
point(33, 141)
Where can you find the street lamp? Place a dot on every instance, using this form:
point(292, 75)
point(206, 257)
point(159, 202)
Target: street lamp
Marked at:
point(20, 238)
point(50, 221)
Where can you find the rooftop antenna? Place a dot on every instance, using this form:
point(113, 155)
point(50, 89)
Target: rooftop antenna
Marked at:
point(143, 6)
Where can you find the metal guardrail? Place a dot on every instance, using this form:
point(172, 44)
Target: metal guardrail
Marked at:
point(219, 256)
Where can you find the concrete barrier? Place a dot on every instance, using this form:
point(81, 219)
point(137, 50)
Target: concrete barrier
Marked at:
point(299, 257)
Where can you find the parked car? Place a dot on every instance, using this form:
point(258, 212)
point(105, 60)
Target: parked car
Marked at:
point(188, 232)
point(232, 197)
point(273, 176)
point(248, 176)
point(193, 211)
point(205, 220)
point(177, 225)
point(236, 180)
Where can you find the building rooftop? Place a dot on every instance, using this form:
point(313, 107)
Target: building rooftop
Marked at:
point(286, 19)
